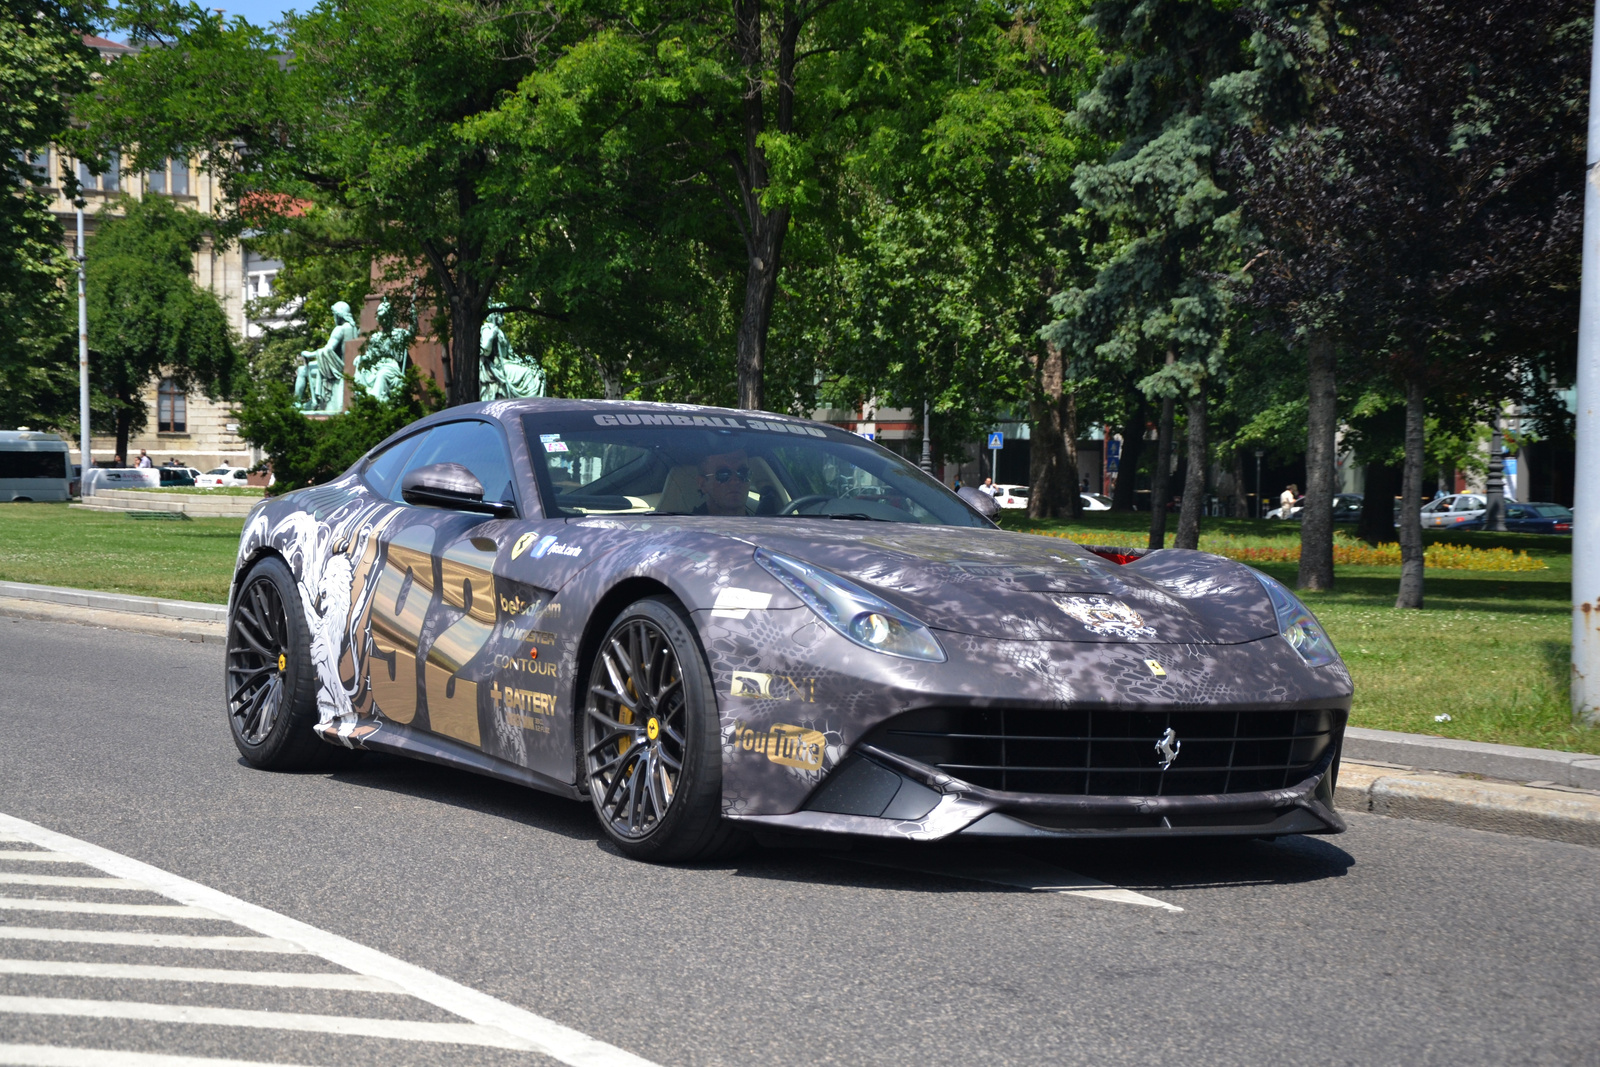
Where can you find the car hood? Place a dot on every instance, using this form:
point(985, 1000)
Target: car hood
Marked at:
point(991, 583)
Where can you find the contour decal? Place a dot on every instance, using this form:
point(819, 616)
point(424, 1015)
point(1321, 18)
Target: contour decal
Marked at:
point(522, 544)
point(773, 686)
point(1105, 616)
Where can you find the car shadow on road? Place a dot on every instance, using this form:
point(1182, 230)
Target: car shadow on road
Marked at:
point(472, 792)
point(1009, 867)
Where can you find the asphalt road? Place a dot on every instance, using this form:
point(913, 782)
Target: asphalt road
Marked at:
point(1398, 942)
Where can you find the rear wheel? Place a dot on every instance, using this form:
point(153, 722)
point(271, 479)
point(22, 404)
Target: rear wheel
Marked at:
point(649, 739)
point(271, 683)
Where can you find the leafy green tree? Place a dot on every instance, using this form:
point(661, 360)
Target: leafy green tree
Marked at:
point(147, 317)
point(43, 65)
point(1431, 199)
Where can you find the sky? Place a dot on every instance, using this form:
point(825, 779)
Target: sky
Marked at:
point(260, 12)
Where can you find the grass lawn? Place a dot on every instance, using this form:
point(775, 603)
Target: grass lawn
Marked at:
point(1490, 650)
point(52, 544)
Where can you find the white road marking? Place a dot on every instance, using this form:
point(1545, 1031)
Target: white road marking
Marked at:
point(1018, 872)
point(343, 1025)
point(356, 983)
point(533, 1032)
point(14, 839)
point(86, 907)
point(35, 857)
point(51, 1056)
point(73, 881)
point(197, 942)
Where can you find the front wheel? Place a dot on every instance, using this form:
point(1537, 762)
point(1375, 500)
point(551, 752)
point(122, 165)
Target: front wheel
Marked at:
point(650, 741)
point(271, 682)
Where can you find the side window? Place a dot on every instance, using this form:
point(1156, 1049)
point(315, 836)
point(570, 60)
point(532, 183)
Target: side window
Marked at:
point(383, 470)
point(478, 447)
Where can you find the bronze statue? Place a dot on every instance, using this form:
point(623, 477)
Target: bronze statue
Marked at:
point(502, 374)
point(381, 368)
point(319, 382)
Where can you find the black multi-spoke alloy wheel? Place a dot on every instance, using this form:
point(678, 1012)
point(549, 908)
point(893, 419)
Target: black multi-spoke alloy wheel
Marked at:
point(271, 684)
point(650, 742)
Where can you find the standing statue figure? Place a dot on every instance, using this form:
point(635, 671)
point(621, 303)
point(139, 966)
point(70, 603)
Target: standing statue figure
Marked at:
point(381, 367)
point(502, 374)
point(319, 383)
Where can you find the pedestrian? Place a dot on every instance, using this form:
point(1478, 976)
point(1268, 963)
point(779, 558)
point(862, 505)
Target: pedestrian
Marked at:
point(119, 462)
point(988, 487)
point(144, 460)
point(1286, 500)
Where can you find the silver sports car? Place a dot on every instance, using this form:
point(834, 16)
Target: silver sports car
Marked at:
point(711, 622)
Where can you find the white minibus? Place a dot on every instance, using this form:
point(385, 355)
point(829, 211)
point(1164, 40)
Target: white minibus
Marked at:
point(34, 466)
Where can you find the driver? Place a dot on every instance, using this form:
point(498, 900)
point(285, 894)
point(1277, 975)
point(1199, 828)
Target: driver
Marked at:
point(725, 483)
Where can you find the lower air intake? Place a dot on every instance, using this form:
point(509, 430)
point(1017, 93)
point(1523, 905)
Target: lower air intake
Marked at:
point(1113, 753)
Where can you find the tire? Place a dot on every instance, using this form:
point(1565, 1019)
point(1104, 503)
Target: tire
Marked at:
point(271, 684)
point(650, 705)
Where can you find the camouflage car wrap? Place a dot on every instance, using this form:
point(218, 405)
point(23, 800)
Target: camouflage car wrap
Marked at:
point(463, 639)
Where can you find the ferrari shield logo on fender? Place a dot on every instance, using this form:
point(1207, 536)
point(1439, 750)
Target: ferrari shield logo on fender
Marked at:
point(1105, 616)
point(1167, 748)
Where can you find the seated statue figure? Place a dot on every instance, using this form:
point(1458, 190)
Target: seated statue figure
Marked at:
point(502, 374)
point(319, 382)
point(381, 368)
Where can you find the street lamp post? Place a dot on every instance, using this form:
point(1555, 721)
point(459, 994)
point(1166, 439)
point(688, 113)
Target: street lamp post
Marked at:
point(927, 442)
point(1259, 453)
point(1586, 513)
point(1494, 517)
point(83, 360)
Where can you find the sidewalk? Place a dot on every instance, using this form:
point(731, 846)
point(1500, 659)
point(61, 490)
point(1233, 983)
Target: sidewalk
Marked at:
point(1528, 791)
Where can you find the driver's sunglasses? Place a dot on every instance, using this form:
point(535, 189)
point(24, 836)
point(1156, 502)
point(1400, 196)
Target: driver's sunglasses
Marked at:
point(728, 474)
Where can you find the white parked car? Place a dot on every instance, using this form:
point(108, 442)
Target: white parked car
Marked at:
point(1011, 496)
point(1454, 510)
point(1016, 496)
point(222, 478)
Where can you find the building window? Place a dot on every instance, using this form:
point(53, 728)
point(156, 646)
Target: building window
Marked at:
point(156, 180)
point(180, 177)
point(110, 181)
point(172, 408)
point(258, 284)
point(39, 163)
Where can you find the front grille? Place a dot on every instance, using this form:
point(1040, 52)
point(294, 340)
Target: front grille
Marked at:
point(1113, 753)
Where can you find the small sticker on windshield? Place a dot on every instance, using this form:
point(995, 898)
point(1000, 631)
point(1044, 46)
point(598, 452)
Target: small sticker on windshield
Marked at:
point(555, 446)
point(549, 437)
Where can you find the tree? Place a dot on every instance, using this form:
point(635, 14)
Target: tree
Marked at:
point(43, 65)
point(1178, 81)
point(146, 314)
point(1428, 205)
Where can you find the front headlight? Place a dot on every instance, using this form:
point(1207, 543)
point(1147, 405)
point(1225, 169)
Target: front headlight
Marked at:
point(1297, 625)
point(868, 620)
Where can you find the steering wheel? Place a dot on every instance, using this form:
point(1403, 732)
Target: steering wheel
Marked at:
point(794, 506)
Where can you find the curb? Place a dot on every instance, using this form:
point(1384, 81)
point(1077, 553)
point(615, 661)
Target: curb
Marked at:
point(1502, 807)
point(203, 623)
point(1580, 770)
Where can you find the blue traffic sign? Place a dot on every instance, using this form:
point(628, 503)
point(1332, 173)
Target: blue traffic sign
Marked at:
point(997, 440)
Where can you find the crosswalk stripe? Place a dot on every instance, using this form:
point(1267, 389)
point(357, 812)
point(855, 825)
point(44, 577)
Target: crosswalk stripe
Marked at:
point(487, 1014)
point(14, 839)
point(71, 880)
point(343, 1025)
point(84, 907)
point(37, 856)
point(52, 1056)
point(198, 942)
point(356, 983)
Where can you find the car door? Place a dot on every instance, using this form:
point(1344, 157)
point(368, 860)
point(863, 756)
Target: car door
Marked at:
point(435, 606)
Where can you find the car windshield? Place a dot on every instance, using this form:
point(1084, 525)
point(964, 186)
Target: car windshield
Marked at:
point(650, 463)
point(218, 470)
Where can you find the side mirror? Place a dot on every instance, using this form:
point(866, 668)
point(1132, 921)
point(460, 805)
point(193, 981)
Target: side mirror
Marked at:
point(450, 485)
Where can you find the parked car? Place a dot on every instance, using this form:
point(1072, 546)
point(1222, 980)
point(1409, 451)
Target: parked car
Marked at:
point(222, 477)
point(1530, 518)
point(1346, 508)
point(1453, 512)
point(671, 615)
point(1011, 496)
point(175, 476)
point(1095, 502)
